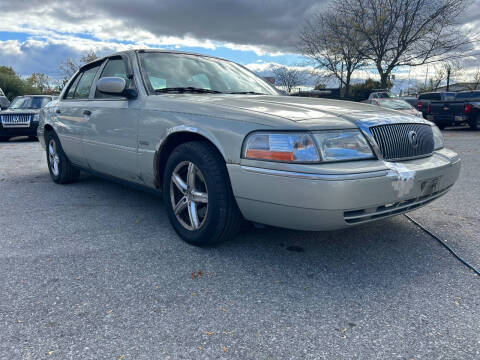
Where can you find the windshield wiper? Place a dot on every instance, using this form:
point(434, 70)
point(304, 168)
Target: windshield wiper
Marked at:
point(247, 93)
point(188, 89)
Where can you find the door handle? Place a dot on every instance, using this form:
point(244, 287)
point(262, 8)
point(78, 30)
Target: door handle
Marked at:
point(87, 112)
point(58, 111)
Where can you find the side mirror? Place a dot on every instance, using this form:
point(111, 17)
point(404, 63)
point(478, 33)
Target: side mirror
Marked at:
point(115, 86)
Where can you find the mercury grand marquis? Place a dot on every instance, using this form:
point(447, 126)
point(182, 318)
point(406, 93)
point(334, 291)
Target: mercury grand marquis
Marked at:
point(221, 145)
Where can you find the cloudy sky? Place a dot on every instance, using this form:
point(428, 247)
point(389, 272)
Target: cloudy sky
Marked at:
point(35, 36)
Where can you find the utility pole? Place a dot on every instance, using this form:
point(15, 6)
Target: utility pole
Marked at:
point(448, 78)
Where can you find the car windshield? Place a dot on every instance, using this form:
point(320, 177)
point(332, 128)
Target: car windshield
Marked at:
point(29, 102)
point(395, 104)
point(182, 72)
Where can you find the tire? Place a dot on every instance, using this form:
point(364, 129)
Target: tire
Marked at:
point(4, 138)
point(218, 219)
point(474, 123)
point(33, 138)
point(60, 168)
point(441, 126)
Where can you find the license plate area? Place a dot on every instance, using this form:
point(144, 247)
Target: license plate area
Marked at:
point(429, 186)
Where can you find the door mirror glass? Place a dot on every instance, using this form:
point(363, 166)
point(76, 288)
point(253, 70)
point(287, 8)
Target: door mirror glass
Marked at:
point(111, 85)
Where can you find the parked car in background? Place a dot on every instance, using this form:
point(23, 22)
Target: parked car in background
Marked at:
point(425, 99)
point(412, 100)
point(396, 104)
point(221, 144)
point(381, 94)
point(3, 100)
point(464, 109)
point(21, 117)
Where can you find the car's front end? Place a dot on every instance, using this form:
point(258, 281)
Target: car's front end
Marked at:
point(385, 165)
point(22, 117)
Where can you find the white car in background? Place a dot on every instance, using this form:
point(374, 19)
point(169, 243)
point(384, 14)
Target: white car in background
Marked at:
point(395, 104)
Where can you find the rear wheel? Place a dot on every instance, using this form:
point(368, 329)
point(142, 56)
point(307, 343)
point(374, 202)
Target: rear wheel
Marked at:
point(60, 168)
point(198, 196)
point(4, 138)
point(441, 126)
point(474, 123)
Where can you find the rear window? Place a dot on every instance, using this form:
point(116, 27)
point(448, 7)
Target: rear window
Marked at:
point(468, 95)
point(430, 96)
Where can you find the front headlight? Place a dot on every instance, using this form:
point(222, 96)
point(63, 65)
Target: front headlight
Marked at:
point(36, 117)
point(302, 148)
point(437, 138)
point(343, 145)
point(286, 147)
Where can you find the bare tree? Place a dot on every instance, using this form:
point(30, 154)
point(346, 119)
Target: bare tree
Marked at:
point(475, 83)
point(324, 41)
point(444, 72)
point(287, 77)
point(70, 66)
point(395, 33)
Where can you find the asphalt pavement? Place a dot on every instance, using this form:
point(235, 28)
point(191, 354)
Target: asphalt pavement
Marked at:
point(93, 270)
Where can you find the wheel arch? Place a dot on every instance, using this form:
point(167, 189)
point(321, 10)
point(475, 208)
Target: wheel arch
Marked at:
point(175, 138)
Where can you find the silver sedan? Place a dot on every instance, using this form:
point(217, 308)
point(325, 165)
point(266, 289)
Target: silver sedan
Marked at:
point(222, 146)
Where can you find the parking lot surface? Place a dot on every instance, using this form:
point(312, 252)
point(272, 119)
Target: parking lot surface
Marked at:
point(93, 270)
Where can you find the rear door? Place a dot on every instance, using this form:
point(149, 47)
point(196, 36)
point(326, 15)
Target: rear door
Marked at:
point(110, 143)
point(70, 118)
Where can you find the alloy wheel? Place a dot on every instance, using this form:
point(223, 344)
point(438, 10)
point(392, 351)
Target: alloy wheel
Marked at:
point(53, 158)
point(189, 195)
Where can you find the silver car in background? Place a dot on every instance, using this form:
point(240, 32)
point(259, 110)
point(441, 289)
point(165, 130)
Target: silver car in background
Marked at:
point(222, 145)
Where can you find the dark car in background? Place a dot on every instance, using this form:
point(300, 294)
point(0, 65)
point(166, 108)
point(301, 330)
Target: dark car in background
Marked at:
point(463, 109)
point(4, 103)
point(425, 99)
point(21, 117)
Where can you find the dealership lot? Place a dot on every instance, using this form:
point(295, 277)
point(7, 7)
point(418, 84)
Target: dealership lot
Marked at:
point(93, 270)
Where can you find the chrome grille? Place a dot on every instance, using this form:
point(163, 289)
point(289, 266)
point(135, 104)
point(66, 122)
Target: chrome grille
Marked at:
point(16, 120)
point(395, 140)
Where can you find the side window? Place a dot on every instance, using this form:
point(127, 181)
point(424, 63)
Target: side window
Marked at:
point(73, 86)
point(115, 67)
point(85, 83)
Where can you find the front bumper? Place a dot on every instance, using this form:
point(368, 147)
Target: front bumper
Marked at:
point(10, 132)
point(319, 201)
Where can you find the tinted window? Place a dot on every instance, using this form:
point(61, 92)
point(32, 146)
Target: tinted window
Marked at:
point(85, 83)
point(430, 96)
point(115, 68)
point(468, 95)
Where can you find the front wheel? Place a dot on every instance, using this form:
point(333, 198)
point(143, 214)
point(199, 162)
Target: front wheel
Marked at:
point(198, 196)
point(60, 168)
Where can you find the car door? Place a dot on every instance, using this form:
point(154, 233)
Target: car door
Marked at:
point(70, 118)
point(110, 143)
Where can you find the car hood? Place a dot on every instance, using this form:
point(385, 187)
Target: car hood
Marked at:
point(286, 111)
